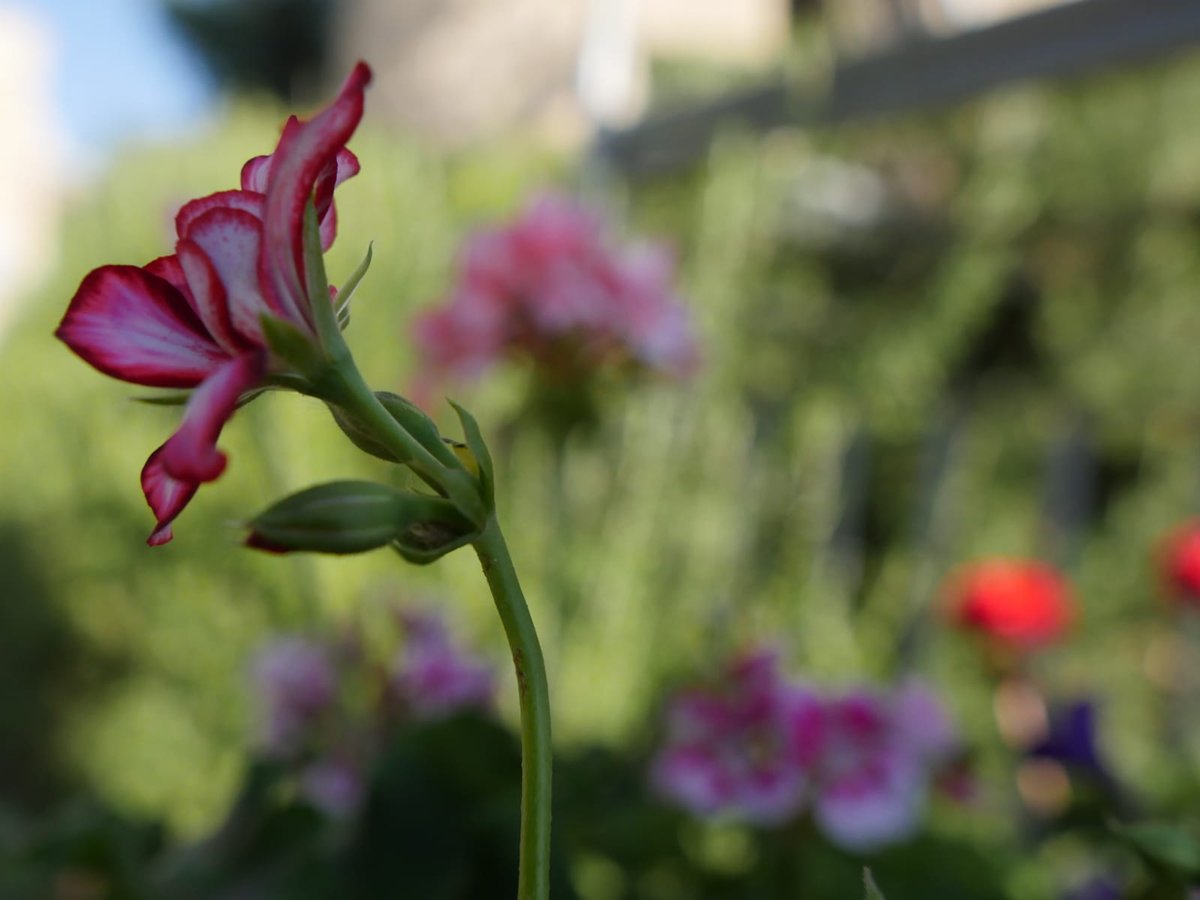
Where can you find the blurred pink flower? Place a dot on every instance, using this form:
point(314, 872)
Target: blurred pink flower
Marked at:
point(432, 676)
point(730, 749)
point(296, 682)
point(550, 286)
point(761, 749)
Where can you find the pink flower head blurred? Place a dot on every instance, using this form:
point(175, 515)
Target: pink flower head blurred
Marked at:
point(1017, 605)
point(730, 750)
point(551, 286)
point(296, 683)
point(876, 753)
point(763, 749)
point(433, 676)
point(1179, 564)
point(193, 319)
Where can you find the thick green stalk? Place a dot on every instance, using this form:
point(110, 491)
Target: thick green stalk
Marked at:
point(534, 694)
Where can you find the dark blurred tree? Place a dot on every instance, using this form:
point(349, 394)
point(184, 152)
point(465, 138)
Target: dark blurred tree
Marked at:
point(279, 46)
point(44, 671)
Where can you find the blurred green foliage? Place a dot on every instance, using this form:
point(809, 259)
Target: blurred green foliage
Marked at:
point(926, 340)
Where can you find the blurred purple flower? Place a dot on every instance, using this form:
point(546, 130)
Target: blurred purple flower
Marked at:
point(732, 749)
point(432, 676)
point(296, 682)
point(334, 786)
point(878, 753)
point(1098, 887)
point(1071, 739)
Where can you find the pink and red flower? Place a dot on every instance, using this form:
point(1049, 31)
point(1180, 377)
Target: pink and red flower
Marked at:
point(731, 749)
point(763, 749)
point(1017, 605)
point(194, 319)
point(550, 286)
point(876, 754)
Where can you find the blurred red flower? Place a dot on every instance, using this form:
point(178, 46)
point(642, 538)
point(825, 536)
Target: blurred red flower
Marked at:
point(1179, 563)
point(1016, 604)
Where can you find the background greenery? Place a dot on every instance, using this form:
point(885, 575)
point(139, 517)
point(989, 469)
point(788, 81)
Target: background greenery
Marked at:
point(999, 359)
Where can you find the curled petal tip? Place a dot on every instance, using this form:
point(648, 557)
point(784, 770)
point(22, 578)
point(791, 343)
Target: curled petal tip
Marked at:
point(159, 536)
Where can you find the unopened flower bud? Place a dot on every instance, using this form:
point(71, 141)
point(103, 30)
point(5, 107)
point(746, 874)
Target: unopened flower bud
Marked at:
point(356, 516)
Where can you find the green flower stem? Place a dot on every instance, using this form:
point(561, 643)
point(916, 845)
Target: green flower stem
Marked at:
point(534, 694)
point(344, 385)
point(347, 388)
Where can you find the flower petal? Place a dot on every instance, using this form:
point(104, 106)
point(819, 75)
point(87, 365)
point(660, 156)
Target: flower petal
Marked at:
point(345, 165)
point(304, 150)
point(169, 270)
point(191, 453)
point(207, 295)
point(230, 240)
point(255, 172)
point(167, 497)
point(247, 201)
point(133, 325)
point(190, 457)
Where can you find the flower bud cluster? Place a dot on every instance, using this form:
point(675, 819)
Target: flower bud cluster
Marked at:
point(760, 748)
point(328, 706)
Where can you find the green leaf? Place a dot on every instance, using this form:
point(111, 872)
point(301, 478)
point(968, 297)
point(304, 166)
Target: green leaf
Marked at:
point(479, 450)
point(1165, 845)
point(872, 891)
point(348, 287)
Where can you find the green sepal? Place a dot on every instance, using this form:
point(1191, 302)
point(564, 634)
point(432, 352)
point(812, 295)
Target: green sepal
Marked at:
point(407, 414)
point(181, 398)
point(483, 458)
point(348, 287)
point(345, 517)
point(320, 304)
point(441, 529)
point(293, 346)
point(175, 399)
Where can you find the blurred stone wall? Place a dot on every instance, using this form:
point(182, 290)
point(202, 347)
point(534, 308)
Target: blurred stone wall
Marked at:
point(463, 70)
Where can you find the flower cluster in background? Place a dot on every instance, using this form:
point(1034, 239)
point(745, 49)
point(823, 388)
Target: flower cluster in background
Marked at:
point(764, 749)
point(552, 287)
point(328, 706)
